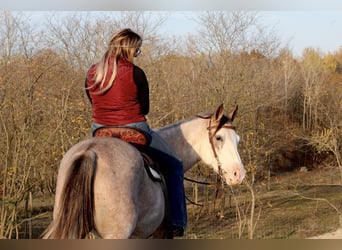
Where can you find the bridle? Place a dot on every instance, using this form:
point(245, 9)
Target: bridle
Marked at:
point(211, 140)
point(227, 124)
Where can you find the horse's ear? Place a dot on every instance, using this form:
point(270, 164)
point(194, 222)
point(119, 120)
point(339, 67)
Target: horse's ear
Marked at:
point(233, 113)
point(219, 113)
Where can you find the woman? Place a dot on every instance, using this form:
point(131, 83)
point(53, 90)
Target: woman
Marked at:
point(119, 93)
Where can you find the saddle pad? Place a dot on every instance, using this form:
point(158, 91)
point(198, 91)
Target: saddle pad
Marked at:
point(131, 135)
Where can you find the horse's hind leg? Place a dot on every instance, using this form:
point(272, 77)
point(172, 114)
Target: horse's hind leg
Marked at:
point(118, 223)
point(116, 212)
point(116, 190)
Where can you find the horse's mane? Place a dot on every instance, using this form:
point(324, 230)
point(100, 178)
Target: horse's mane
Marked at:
point(176, 124)
point(202, 115)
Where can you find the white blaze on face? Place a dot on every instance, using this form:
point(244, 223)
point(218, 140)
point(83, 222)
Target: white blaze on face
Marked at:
point(226, 142)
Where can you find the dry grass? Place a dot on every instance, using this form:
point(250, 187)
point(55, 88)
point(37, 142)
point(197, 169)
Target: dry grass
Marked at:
point(298, 205)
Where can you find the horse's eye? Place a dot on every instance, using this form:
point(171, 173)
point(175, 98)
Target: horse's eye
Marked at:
point(218, 138)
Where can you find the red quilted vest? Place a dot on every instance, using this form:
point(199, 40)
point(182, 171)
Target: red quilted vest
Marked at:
point(120, 104)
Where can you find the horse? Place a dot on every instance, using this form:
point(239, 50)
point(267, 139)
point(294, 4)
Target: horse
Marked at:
point(103, 189)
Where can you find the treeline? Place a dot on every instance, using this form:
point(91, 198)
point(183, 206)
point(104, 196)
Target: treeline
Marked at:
point(289, 107)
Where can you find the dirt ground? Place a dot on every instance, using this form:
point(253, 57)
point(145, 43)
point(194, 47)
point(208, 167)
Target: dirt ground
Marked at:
point(332, 235)
point(298, 206)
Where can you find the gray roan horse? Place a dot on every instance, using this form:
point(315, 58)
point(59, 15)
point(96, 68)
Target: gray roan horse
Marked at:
point(103, 188)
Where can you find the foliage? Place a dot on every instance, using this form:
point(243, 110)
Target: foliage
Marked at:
point(44, 109)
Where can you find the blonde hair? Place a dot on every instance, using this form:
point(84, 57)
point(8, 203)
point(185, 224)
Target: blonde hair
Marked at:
point(123, 44)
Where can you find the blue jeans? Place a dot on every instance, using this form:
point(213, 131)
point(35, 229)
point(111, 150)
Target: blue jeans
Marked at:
point(172, 169)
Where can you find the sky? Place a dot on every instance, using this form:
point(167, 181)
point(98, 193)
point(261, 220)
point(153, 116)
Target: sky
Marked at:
point(296, 30)
point(171, 5)
point(303, 29)
point(298, 24)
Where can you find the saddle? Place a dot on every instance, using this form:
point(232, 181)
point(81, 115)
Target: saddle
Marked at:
point(134, 136)
point(139, 139)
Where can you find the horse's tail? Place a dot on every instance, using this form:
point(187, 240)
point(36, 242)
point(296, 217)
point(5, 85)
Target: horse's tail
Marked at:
point(75, 215)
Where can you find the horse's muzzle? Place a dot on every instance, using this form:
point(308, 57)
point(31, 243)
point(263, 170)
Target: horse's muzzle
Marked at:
point(236, 175)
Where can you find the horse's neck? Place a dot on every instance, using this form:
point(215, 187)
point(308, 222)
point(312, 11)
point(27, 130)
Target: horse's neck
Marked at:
point(183, 138)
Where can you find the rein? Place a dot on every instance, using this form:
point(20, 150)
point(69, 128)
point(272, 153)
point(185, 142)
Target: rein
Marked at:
point(203, 183)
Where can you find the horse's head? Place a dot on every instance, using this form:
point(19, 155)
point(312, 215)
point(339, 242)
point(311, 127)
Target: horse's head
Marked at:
point(223, 139)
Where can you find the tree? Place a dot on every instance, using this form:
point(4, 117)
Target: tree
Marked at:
point(18, 117)
point(314, 73)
